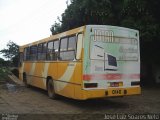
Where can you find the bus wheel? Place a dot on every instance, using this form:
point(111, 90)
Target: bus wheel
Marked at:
point(25, 80)
point(50, 89)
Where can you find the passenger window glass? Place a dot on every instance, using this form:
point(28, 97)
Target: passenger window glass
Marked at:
point(42, 49)
point(68, 52)
point(33, 52)
point(50, 46)
point(67, 55)
point(52, 53)
point(27, 53)
point(72, 43)
point(63, 46)
point(50, 50)
point(39, 51)
point(56, 45)
point(56, 50)
point(43, 57)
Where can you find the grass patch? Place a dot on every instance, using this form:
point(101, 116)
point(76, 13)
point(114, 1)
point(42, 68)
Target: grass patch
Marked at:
point(4, 74)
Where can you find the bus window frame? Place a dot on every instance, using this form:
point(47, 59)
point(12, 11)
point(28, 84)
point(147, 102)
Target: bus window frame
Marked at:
point(31, 59)
point(42, 51)
point(25, 54)
point(47, 53)
point(80, 57)
point(39, 58)
point(57, 56)
point(74, 50)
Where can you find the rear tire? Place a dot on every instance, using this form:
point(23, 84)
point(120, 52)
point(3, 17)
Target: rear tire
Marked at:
point(51, 90)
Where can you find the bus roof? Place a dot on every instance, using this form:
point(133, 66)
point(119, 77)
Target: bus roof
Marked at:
point(56, 36)
point(73, 31)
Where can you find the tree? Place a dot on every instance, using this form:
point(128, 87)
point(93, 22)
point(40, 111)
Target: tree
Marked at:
point(11, 52)
point(142, 15)
point(2, 61)
point(82, 12)
point(137, 14)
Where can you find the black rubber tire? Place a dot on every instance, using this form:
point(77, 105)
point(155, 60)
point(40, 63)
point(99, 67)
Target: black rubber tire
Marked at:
point(51, 90)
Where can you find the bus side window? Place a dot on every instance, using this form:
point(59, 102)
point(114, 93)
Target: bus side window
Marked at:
point(56, 50)
point(33, 52)
point(39, 51)
point(79, 46)
point(42, 49)
point(72, 43)
point(63, 48)
point(67, 48)
point(27, 54)
point(50, 50)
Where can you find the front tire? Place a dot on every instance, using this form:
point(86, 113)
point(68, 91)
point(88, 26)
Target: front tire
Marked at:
point(51, 90)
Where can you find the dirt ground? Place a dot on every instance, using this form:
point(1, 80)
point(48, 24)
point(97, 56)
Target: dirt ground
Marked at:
point(19, 102)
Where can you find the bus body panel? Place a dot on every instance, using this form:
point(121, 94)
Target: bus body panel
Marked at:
point(111, 61)
point(104, 67)
point(66, 78)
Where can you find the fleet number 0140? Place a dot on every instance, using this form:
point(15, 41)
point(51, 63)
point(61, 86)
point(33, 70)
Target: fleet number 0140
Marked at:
point(116, 91)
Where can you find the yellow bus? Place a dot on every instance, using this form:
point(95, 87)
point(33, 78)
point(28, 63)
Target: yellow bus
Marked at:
point(92, 61)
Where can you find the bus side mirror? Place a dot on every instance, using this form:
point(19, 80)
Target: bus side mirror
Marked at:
point(79, 46)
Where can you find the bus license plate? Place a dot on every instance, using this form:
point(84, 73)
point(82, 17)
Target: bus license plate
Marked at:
point(116, 92)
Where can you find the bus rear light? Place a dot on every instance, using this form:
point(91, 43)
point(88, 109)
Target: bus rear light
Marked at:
point(120, 84)
point(90, 85)
point(135, 83)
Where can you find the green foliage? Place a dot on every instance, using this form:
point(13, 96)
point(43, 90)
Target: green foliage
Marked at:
point(82, 12)
point(137, 14)
point(11, 52)
point(1, 60)
point(142, 15)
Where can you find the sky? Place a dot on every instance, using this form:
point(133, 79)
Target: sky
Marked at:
point(25, 21)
